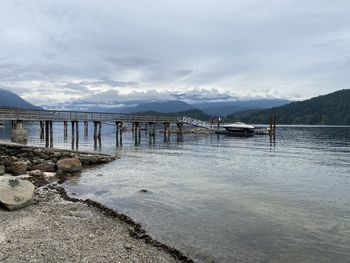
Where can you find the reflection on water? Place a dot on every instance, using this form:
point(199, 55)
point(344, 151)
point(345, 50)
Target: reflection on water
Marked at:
point(229, 199)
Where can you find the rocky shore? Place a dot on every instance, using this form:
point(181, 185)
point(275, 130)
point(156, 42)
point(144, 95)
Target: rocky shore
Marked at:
point(54, 227)
point(18, 159)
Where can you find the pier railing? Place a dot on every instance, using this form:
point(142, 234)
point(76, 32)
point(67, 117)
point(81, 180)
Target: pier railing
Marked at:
point(55, 115)
point(196, 123)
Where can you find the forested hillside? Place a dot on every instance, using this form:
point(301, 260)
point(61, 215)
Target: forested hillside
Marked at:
point(331, 109)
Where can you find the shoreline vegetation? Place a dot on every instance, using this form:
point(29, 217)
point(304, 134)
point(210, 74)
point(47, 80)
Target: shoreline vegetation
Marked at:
point(56, 227)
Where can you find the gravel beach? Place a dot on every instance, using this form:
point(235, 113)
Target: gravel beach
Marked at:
point(55, 230)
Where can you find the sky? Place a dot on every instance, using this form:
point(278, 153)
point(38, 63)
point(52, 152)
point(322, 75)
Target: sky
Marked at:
point(194, 50)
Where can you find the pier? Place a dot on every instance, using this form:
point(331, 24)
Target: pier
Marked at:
point(46, 118)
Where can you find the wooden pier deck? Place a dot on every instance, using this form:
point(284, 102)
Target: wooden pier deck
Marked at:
point(47, 117)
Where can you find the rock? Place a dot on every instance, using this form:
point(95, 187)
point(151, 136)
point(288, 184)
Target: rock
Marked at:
point(128, 246)
point(44, 156)
point(18, 168)
point(36, 173)
point(10, 159)
point(2, 169)
point(70, 165)
point(45, 166)
point(37, 160)
point(15, 193)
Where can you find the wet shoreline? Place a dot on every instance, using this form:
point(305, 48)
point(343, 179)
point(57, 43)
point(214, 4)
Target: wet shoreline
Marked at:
point(51, 184)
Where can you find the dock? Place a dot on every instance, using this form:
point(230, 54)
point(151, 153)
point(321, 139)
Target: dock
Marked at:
point(46, 118)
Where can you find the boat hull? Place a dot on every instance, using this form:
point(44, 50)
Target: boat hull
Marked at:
point(236, 133)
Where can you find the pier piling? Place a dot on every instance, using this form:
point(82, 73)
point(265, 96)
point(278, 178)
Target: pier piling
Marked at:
point(86, 128)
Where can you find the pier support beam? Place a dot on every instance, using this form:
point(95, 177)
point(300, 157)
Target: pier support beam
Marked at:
point(179, 131)
point(42, 127)
point(97, 129)
point(151, 132)
point(120, 124)
point(77, 134)
point(65, 130)
point(51, 134)
point(119, 133)
point(272, 130)
point(86, 128)
point(137, 133)
point(97, 134)
point(18, 133)
point(166, 132)
point(47, 133)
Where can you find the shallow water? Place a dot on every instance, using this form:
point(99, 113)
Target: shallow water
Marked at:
point(224, 199)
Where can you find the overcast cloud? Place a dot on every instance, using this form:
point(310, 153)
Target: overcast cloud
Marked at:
point(59, 51)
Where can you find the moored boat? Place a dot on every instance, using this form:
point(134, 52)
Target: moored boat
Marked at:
point(238, 129)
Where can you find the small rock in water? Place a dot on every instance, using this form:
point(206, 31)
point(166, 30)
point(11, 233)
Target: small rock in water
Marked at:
point(144, 191)
point(99, 175)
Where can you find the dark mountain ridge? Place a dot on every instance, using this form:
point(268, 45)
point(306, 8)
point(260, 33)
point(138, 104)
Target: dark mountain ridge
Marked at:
point(330, 109)
point(9, 99)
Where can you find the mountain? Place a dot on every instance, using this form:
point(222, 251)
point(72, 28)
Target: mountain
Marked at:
point(193, 113)
point(9, 99)
point(162, 106)
point(226, 108)
point(124, 106)
point(330, 109)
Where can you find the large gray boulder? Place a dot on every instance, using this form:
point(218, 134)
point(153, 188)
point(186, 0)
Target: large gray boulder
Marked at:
point(15, 193)
point(69, 165)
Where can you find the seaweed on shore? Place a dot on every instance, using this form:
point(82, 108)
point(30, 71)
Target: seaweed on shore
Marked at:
point(136, 230)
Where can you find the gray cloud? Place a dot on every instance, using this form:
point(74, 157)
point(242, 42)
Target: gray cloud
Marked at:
point(258, 48)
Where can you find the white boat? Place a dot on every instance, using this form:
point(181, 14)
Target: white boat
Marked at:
point(239, 129)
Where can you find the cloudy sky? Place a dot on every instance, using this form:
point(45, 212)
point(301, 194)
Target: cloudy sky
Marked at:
point(108, 50)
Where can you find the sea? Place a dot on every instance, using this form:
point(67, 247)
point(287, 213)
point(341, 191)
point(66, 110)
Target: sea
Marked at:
point(226, 199)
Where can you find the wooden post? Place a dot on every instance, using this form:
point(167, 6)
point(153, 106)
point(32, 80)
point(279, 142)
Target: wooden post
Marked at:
point(95, 129)
point(47, 135)
point(179, 131)
point(139, 133)
point(270, 131)
point(154, 132)
point(135, 128)
point(51, 134)
point(121, 133)
point(99, 130)
point(86, 128)
point(77, 134)
point(65, 129)
point(165, 131)
point(42, 130)
point(73, 130)
point(274, 128)
point(149, 129)
point(77, 129)
point(117, 133)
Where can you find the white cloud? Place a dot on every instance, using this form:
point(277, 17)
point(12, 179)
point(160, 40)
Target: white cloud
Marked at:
point(65, 50)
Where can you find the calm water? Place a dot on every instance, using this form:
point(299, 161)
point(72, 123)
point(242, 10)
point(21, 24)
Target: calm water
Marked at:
point(224, 199)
